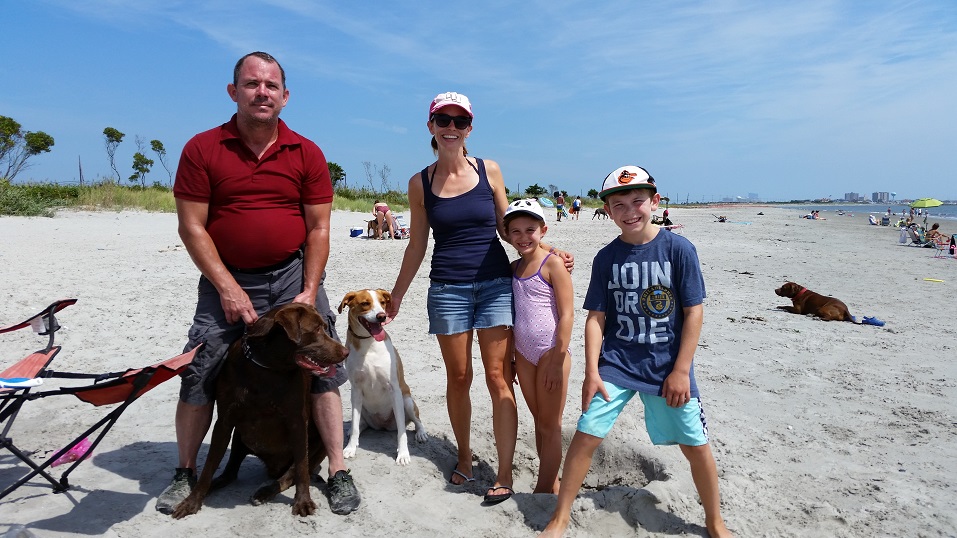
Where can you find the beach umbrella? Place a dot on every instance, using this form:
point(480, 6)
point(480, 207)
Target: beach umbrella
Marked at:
point(926, 202)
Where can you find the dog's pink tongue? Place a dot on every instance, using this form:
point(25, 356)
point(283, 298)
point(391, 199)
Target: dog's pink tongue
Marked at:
point(377, 332)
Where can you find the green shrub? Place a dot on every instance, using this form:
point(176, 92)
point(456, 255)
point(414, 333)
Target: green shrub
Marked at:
point(36, 199)
point(362, 200)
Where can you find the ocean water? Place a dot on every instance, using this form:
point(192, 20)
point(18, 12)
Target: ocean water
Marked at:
point(944, 212)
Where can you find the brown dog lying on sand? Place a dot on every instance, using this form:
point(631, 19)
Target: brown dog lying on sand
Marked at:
point(805, 301)
point(262, 392)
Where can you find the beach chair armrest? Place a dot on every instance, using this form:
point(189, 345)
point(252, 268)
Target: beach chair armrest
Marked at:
point(41, 322)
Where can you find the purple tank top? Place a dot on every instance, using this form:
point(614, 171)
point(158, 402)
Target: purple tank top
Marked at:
point(465, 230)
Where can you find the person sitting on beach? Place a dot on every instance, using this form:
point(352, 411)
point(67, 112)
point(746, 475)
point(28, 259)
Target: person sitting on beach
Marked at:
point(665, 221)
point(383, 217)
point(934, 234)
point(641, 334)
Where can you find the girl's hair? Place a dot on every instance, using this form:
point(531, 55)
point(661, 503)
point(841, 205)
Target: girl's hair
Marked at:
point(435, 148)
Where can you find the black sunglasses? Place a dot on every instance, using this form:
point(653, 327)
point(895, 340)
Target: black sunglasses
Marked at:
point(443, 120)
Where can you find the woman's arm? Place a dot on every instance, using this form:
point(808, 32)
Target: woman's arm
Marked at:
point(497, 183)
point(415, 250)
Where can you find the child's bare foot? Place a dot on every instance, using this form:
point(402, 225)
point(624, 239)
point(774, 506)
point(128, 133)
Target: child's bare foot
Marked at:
point(554, 529)
point(717, 529)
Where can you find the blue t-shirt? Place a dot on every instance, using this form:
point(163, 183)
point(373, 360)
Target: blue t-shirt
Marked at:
point(642, 290)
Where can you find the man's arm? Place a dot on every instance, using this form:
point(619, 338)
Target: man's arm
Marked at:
point(316, 253)
point(192, 230)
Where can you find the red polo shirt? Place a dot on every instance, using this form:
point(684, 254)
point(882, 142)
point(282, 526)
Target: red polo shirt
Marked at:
point(255, 205)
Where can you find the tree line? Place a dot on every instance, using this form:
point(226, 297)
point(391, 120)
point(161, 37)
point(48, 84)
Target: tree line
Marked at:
point(18, 146)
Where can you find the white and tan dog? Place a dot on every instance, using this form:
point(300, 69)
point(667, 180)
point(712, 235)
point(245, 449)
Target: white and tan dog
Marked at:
point(380, 398)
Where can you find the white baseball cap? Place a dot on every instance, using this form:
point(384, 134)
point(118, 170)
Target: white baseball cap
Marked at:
point(529, 206)
point(626, 178)
point(450, 98)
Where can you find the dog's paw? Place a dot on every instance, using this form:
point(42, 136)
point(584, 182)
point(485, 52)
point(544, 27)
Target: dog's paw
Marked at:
point(421, 435)
point(349, 451)
point(403, 459)
point(265, 493)
point(303, 507)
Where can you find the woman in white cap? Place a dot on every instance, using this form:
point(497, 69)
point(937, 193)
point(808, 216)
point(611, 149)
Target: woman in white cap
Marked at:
point(462, 199)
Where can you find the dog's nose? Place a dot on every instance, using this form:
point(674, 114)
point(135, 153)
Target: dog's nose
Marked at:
point(380, 317)
point(343, 351)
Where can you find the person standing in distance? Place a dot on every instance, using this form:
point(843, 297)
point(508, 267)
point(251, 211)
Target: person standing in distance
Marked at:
point(254, 200)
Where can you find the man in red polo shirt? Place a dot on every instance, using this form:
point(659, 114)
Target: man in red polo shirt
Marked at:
point(254, 199)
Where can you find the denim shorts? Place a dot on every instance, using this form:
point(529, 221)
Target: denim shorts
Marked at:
point(666, 425)
point(457, 308)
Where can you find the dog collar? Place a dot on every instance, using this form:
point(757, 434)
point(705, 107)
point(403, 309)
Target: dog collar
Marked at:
point(353, 333)
point(800, 292)
point(248, 353)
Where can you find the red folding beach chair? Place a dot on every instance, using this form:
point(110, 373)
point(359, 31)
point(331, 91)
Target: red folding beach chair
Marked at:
point(110, 388)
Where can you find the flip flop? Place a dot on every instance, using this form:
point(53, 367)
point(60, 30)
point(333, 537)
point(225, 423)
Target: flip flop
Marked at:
point(456, 471)
point(495, 498)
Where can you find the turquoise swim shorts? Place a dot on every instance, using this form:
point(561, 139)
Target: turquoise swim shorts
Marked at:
point(685, 425)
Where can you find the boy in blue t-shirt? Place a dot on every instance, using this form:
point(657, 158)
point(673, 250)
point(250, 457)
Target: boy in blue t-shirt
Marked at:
point(645, 312)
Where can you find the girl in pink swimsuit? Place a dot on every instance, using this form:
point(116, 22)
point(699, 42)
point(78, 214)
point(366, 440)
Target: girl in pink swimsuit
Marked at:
point(542, 296)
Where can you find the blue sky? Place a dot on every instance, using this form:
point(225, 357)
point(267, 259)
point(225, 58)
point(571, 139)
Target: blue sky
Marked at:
point(719, 98)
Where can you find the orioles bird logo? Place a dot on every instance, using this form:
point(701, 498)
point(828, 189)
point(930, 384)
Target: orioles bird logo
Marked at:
point(625, 178)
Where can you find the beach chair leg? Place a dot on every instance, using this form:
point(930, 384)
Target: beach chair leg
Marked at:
point(37, 470)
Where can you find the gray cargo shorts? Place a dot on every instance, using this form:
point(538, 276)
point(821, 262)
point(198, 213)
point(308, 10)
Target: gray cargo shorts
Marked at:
point(266, 291)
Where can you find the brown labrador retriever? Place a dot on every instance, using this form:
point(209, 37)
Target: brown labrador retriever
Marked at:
point(805, 301)
point(262, 393)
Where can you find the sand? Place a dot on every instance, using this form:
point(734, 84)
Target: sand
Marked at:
point(818, 428)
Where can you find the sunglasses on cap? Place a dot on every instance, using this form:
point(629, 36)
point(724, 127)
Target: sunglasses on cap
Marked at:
point(443, 120)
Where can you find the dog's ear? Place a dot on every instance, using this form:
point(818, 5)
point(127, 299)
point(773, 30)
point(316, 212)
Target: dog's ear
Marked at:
point(260, 327)
point(386, 297)
point(346, 300)
point(295, 321)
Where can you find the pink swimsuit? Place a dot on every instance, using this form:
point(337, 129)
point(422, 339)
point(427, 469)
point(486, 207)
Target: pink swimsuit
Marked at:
point(536, 315)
